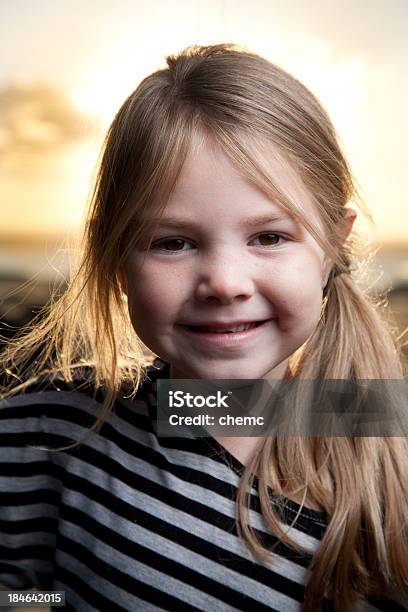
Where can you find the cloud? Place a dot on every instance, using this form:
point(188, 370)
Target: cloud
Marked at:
point(39, 118)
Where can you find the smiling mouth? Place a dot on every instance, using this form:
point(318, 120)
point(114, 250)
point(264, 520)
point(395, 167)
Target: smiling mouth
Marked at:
point(231, 330)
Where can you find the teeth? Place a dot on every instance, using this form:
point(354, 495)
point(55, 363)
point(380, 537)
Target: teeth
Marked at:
point(237, 328)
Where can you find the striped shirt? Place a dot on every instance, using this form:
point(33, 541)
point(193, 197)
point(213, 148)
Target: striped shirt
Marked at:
point(130, 521)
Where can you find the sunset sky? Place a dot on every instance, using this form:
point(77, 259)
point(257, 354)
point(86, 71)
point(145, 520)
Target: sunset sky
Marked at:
point(67, 65)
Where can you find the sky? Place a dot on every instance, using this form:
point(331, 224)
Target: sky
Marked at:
point(67, 65)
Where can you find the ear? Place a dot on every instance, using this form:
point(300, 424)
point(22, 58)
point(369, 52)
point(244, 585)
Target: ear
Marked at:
point(345, 226)
point(343, 229)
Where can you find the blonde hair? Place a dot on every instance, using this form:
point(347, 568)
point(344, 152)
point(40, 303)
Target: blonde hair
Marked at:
point(252, 109)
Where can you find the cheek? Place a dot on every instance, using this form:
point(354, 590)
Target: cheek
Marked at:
point(152, 295)
point(297, 298)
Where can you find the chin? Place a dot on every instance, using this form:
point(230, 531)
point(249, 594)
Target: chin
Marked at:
point(231, 372)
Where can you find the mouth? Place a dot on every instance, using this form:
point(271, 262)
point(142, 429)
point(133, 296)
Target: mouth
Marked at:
point(220, 329)
point(227, 336)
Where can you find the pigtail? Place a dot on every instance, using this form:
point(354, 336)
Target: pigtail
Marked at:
point(352, 340)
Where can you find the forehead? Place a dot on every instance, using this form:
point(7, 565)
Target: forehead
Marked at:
point(210, 182)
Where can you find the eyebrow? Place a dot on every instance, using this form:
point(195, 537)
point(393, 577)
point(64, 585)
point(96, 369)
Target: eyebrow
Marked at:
point(180, 223)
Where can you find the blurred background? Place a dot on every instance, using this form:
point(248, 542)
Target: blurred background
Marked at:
point(67, 65)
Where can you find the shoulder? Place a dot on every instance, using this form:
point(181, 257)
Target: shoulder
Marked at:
point(51, 389)
point(79, 400)
point(48, 410)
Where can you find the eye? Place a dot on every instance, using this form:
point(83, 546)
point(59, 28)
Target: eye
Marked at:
point(170, 245)
point(269, 239)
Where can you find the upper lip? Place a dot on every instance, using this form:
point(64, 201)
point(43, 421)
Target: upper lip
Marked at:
point(223, 324)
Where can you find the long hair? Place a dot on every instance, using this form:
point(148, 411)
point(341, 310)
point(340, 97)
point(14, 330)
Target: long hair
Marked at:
point(255, 111)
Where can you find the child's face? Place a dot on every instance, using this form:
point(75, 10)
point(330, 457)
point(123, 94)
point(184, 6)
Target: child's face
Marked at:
point(211, 266)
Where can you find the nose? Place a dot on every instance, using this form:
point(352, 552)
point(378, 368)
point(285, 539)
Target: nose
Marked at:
point(224, 279)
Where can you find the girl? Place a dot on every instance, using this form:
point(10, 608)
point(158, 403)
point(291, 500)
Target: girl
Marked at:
point(220, 206)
